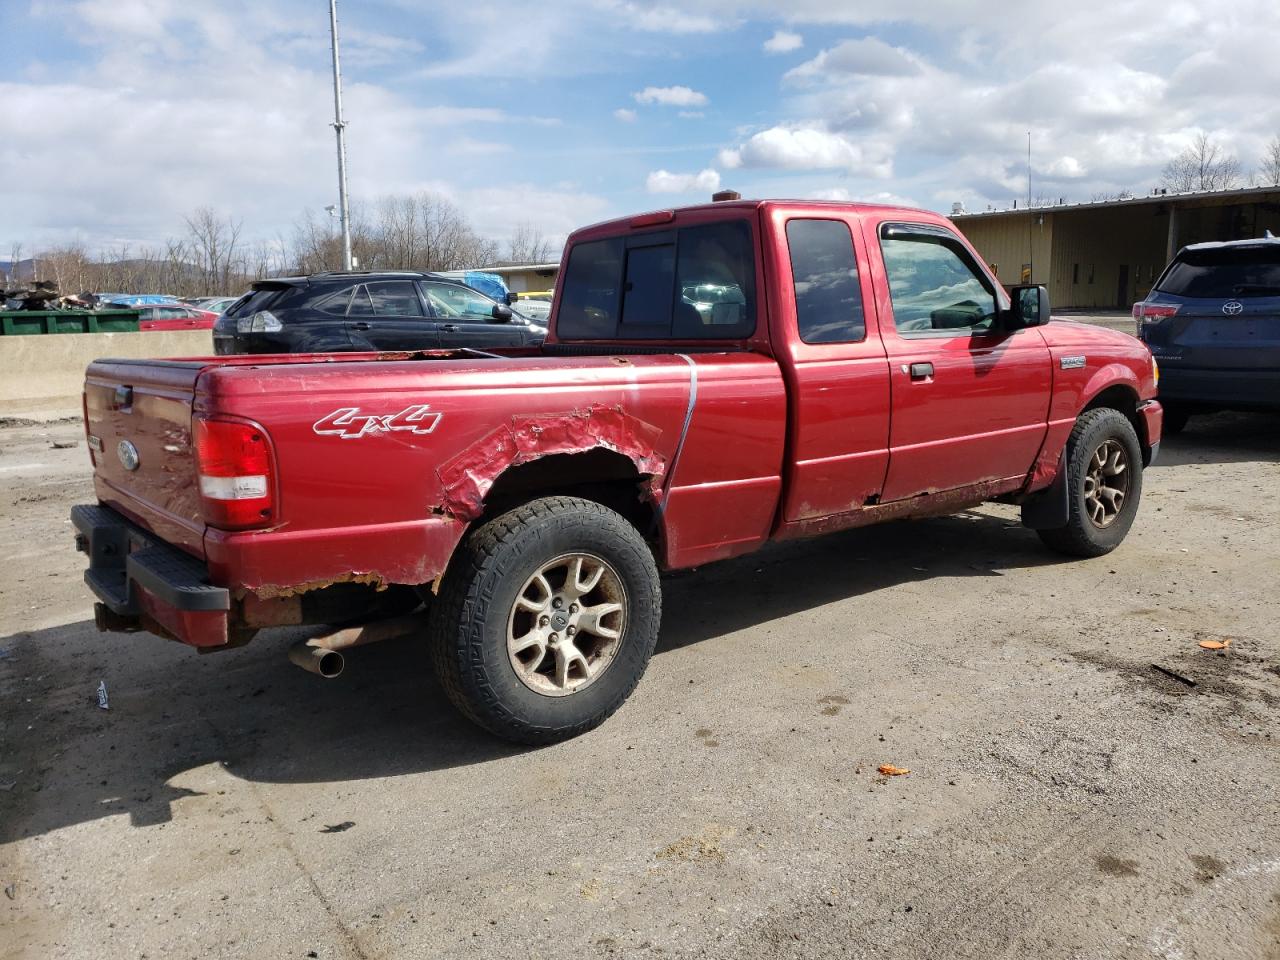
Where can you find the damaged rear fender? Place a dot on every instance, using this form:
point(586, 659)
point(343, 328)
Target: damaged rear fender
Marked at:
point(467, 479)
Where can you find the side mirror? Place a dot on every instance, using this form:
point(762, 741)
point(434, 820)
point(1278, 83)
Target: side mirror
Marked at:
point(512, 297)
point(501, 313)
point(1030, 307)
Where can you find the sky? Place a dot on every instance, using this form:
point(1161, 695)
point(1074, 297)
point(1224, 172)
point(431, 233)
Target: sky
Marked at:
point(117, 117)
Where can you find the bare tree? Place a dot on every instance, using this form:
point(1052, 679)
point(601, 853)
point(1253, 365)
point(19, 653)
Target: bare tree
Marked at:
point(1202, 166)
point(1269, 172)
point(214, 243)
point(528, 245)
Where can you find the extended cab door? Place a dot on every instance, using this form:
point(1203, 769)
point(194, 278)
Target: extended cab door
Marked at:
point(836, 369)
point(970, 401)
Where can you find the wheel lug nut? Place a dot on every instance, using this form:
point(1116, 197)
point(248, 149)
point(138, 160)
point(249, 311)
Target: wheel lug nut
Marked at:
point(571, 631)
point(573, 608)
point(557, 603)
point(554, 638)
point(543, 621)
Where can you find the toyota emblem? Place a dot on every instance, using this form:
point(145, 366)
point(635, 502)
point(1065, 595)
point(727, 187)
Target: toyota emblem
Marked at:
point(128, 455)
point(1233, 308)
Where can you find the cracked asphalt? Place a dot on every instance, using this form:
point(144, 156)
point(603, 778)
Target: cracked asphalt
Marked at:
point(1065, 799)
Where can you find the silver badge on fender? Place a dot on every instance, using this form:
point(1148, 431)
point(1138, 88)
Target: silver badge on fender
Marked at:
point(128, 455)
point(1072, 363)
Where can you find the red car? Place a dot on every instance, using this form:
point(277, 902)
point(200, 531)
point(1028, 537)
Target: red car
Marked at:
point(715, 377)
point(175, 316)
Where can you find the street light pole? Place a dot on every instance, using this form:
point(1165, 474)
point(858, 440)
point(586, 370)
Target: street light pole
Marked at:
point(339, 128)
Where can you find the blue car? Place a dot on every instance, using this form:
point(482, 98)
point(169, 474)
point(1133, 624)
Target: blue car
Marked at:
point(1212, 321)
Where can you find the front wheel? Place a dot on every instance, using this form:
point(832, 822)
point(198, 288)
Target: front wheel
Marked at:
point(1104, 485)
point(546, 620)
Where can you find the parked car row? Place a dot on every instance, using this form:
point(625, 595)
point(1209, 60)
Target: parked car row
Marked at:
point(1212, 322)
point(341, 312)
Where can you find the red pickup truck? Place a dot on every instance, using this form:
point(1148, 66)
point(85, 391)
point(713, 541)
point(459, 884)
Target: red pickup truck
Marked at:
point(715, 377)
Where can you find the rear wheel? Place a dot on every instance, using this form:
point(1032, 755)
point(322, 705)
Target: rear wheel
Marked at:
point(546, 620)
point(1104, 485)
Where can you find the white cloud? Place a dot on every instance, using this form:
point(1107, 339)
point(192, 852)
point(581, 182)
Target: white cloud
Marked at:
point(625, 115)
point(803, 148)
point(662, 19)
point(671, 96)
point(691, 114)
point(783, 41)
point(662, 181)
point(867, 57)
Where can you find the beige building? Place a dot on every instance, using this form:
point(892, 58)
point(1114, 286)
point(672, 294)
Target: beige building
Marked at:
point(1107, 254)
point(525, 277)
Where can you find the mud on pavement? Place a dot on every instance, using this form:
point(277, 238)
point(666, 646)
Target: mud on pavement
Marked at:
point(1065, 799)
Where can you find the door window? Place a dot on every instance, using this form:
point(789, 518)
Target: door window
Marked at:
point(825, 274)
point(394, 298)
point(453, 301)
point(934, 286)
point(336, 303)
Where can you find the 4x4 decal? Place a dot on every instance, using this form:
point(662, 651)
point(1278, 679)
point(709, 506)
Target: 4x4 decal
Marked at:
point(350, 424)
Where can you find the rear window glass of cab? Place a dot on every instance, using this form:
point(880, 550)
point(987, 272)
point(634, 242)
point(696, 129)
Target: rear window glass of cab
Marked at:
point(688, 283)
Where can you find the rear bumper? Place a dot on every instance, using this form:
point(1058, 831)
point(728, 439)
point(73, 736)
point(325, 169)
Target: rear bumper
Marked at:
point(146, 584)
point(1248, 389)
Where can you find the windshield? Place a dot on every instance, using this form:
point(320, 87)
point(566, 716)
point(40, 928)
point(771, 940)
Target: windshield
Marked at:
point(1224, 273)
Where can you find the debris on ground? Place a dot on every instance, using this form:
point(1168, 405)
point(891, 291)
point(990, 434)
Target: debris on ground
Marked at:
point(102, 695)
point(889, 770)
point(1215, 644)
point(338, 827)
point(1175, 676)
point(11, 891)
point(65, 444)
point(8, 785)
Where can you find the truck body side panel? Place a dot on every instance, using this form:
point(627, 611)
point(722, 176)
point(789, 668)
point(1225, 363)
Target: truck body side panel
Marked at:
point(723, 489)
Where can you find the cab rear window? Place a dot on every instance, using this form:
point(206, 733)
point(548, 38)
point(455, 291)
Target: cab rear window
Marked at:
point(692, 283)
point(1225, 273)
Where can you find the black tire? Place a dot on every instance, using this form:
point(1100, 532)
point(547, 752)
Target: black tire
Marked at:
point(1082, 536)
point(471, 618)
point(1175, 418)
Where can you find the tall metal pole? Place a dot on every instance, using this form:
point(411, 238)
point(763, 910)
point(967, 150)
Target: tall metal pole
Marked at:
point(1031, 243)
point(339, 128)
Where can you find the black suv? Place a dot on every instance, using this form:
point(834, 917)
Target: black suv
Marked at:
point(328, 312)
point(1212, 322)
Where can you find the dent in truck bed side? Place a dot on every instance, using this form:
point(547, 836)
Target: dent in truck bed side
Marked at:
point(467, 478)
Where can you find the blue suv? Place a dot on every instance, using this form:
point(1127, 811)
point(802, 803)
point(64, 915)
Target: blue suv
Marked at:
point(1212, 321)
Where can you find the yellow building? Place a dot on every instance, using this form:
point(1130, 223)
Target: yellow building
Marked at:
point(1107, 254)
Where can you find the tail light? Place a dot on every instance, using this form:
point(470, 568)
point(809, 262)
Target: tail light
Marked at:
point(1148, 312)
point(236, 469)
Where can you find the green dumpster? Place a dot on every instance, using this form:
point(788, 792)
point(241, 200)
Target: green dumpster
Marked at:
point(28, 322)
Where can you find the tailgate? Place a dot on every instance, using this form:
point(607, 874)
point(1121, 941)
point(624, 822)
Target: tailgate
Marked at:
point(1236, 334)
point(138, 417)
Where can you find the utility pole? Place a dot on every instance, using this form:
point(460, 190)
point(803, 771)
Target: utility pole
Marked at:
point(339, 128)
point(1031, 243)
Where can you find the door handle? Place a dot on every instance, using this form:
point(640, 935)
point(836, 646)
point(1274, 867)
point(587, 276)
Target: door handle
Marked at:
point(920, 371)
point(361, 325)
point(449, 327)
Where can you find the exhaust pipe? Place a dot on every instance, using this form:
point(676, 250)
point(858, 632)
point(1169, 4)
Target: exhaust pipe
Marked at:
point(319, 655)
point(321, 661)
